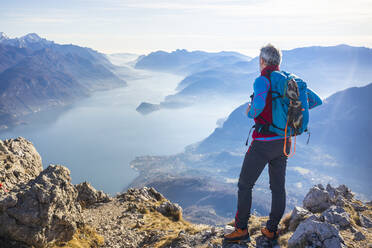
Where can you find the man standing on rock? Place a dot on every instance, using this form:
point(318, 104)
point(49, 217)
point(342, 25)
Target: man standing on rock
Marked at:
point(266, 147)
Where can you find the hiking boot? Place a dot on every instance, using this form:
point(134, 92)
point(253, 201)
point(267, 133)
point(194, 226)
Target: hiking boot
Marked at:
point(237, 235)
point(268, 234)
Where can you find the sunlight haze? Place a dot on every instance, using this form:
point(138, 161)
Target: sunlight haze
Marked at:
point(142, 26)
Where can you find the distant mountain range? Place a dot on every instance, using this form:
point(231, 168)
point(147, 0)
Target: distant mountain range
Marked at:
point(37, 74)
point(325, 69)
point(339, 151)
point(184, 62)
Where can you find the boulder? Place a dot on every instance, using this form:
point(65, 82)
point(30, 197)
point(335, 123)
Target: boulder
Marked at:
point(312, 233)
point(298, 215)
point(317, 200)
point(169, 209)
point(142, 194)
point(336, 215)
point(43, 211)
point(87, 195)
point(19, 162)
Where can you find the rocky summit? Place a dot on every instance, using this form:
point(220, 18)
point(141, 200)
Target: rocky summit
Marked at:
point(42, 208)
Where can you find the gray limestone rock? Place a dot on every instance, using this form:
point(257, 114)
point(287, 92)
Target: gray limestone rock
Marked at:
point(317, 200)
point(345, 192)
point(337, 215)
point(87, 195)
point(19, 163)
point(312, 233)
point(171, 210)
point(141, 194)
point(298, 214)
point(341, 191)
point(45, 210)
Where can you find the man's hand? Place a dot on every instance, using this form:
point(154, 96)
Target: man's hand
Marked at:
point(248, 109)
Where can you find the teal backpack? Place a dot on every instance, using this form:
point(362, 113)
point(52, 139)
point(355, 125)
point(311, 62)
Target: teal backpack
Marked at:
point(290, 107)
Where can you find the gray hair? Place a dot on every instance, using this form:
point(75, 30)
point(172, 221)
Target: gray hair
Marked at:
point(271, 55)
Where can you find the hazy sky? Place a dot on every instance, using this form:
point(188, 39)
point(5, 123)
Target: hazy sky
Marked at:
point(142, 26)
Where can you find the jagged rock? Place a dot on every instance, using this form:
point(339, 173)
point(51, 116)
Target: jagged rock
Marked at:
point(341, 190)
point(320, 186)
point(337, 215)
point(365, 221)
point(142, 194)
point(317, 199)
point(332, 192)
point(312, 233)
point(298, 214)
point(87, 195)
point(44, 207)
point(358, 236)
point(19, 162)
point(171, 210)
point(44, 211)
point(345, 192)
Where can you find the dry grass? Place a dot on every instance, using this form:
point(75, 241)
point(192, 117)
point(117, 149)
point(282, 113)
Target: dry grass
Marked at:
point(355, 222)
point(155, 221)
point(283, 239)
point(85, 237)
point(254, 225)
point(354, 217)
point(284, 223)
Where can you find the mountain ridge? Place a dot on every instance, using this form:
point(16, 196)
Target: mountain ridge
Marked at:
point(326, 69)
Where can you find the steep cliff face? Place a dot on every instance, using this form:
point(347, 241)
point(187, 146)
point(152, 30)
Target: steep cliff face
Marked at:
point(41, 208)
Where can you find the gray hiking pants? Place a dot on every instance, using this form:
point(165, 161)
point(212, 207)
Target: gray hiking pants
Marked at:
point(258, 155)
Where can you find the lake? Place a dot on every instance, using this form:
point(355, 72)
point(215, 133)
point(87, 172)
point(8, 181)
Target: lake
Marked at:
point(97, 137)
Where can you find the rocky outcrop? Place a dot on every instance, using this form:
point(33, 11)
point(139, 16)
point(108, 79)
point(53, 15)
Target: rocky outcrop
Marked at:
point(335, 219)
point(316, 234)
point(44, 211)
point(317, 200)
point(87, 195)
point(19, 162)
point(336, 215)
point(144, 218)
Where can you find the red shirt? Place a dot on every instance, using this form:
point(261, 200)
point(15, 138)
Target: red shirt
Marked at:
point(266, 113)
